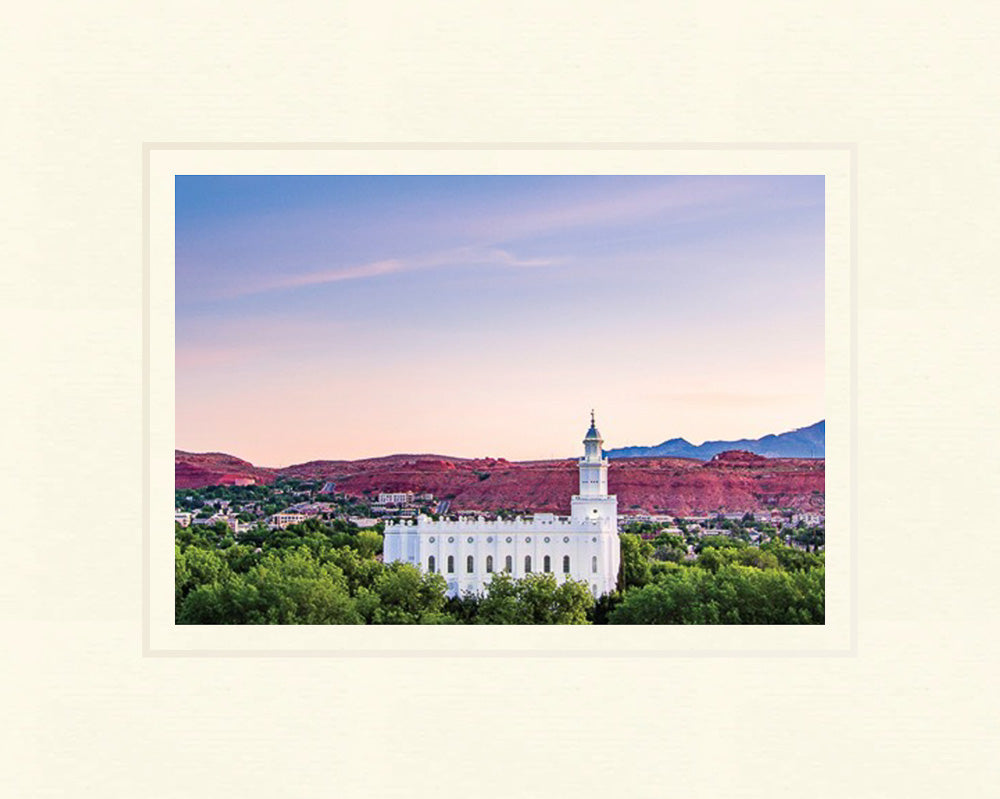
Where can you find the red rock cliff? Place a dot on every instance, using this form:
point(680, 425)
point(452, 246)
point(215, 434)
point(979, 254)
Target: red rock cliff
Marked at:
point(731, 481)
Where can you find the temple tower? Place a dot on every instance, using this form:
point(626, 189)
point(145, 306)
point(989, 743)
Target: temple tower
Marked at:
point(593, 503)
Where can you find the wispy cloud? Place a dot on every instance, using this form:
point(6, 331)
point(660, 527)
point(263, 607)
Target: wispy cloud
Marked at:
point(460, 256)
point(279, 250)
point(358, 272)
point(629, 200)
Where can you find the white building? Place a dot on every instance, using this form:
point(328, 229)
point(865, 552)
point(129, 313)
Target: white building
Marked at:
point(283, 520)
point(228, 519)
point(395, 498)
point(583, 546)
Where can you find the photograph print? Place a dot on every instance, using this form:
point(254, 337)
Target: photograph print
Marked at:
point(499, 399)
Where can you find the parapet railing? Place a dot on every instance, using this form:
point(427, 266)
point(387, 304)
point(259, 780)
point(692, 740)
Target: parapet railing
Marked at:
point(481, 524)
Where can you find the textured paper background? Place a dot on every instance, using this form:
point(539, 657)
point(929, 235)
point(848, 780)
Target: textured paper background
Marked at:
point(912, 714)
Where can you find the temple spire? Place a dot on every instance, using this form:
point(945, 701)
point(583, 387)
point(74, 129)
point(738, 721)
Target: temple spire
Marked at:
point(592, 433)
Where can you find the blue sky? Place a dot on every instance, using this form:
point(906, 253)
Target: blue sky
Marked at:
point(426, 313)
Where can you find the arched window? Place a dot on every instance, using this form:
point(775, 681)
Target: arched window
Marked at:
point(489, 563)
point(527, 564)
point(451, 564)
point(593, 564)
point(508, 564)
point(430, 564)
point(565, 564)
point(469, 564)
point(547, 564)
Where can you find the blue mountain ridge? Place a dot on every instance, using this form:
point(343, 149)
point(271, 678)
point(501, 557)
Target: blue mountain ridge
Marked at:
point(805, 442)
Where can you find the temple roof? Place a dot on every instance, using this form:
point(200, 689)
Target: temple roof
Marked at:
point(592, 433)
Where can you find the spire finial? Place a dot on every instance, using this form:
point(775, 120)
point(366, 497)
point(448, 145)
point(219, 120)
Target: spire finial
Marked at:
point(591, 417)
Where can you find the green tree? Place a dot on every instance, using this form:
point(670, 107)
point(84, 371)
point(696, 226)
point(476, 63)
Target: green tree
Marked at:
point(718, 542)
point(283, 588)
point(195, 567)
point(360, 572)
point(603, 607)
point(464, 609)
point(405, 596)
point(667, 552)
point(791, 559)
point(635, 568)
point(711, 559)
point(734, 594)
point(752, 556)
point(368, 543)
point(537, 598)
point(670, 540)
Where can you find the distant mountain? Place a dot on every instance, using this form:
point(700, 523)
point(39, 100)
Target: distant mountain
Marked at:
point(806, 442)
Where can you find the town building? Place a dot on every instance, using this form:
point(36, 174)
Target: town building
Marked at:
point(583, 546)
point(312, 508)
point(228, 519)
point(395, 498)
point(283, 520)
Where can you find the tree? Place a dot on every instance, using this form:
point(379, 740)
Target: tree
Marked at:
point(810, 537)
point(464, 609)
point(711, 559)
point(368, 543)
point(195, 567)
point(603, 607)
point(670, 540)
point(667, 552)
point(718, 542)
point(283, 588)
point(537, 598)
point(405, 596)
point(791, 559)
point(635, 569)
point(358, 571)
point(752, 556)
point(734, 594)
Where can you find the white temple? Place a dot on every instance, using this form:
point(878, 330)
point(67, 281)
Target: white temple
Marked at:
point(583, 546)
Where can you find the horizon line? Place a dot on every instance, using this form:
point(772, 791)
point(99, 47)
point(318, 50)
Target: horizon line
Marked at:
point(502, 458)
